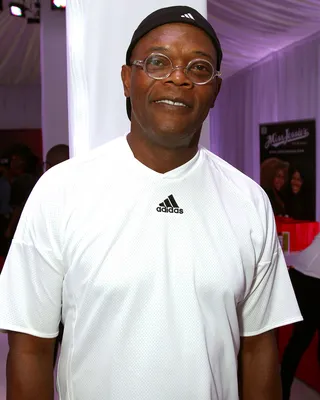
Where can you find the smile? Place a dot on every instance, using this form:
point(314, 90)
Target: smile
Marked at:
point(171, 103)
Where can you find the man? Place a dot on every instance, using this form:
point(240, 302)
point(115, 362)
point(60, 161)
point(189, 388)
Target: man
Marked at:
point(168, 265)
point(56, 155)
point(305, 278)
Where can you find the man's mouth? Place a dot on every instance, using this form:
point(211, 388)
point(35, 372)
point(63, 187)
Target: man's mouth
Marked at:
point(172, 103)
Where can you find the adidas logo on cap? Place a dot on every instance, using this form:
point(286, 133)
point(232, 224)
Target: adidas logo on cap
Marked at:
point(189, 16)
point(170, 206)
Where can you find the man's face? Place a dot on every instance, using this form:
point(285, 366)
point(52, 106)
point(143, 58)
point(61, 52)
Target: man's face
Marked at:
point(171, 125)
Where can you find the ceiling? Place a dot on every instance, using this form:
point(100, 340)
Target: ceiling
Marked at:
point(249, 30)
point(19, 50)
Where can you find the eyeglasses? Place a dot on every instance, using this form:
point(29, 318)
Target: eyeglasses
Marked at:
point(158, 66)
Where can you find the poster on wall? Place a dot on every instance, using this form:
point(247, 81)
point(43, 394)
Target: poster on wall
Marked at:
point(288, 167)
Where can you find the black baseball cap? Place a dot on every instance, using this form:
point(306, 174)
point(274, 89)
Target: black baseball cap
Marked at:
point(174, 14)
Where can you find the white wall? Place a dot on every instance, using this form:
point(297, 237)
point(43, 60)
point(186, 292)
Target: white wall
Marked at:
point(20, 107)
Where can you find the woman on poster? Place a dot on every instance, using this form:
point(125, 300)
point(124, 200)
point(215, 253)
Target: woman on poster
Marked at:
point(297, 205)
point(273, 179)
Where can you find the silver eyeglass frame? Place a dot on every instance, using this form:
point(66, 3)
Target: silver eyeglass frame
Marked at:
point(142, 64)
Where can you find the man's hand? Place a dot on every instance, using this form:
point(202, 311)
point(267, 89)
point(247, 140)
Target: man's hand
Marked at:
point(259, 376)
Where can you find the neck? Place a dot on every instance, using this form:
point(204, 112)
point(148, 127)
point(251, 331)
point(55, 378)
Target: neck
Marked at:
point(159, 158)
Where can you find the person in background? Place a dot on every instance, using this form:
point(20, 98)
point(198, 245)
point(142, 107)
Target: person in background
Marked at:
point(56, 155)
point(305, 278)
point(5, 209)
point(164, 258)
point(23, 172)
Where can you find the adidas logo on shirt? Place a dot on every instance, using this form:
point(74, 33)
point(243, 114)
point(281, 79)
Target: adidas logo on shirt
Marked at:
point(170, 206)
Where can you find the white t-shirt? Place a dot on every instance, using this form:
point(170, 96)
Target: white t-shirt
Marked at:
point(158, 275)
point(307, 261)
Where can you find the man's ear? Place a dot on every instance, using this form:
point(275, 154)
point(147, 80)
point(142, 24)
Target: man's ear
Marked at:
point(217, 88)
point(126, 79)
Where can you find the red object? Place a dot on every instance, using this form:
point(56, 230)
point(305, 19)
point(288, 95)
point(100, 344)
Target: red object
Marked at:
point(302, 233)
point(29, 137)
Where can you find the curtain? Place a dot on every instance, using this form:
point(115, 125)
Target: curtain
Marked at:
point(250, 30)
point(284, 86)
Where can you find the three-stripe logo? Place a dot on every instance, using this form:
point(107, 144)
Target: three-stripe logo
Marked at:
point(189, 16)
point(169, 205)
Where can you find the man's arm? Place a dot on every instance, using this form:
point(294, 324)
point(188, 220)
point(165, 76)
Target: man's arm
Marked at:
point(29, 367)
point(259, 376)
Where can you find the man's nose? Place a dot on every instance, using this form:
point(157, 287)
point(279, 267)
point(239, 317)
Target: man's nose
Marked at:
point(179, 77)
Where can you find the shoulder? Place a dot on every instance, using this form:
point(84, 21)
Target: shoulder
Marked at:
point(237, 182)
point(79, 171)
point(87, 163)
point(60, 188)
point(62, 183)
point(248, 207)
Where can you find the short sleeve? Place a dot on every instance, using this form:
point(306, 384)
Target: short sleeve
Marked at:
point(32, 277)
point(271, 301)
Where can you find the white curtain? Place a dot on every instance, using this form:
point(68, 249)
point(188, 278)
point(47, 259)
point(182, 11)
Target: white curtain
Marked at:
point(285, 86)
point(98, 35)
point(250, 30)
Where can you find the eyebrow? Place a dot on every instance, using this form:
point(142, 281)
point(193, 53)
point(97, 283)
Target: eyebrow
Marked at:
point(202, 53)
point(157, 48)
point(195, 52)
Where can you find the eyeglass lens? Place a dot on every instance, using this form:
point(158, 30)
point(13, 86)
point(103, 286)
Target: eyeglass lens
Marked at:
point(159, 66)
